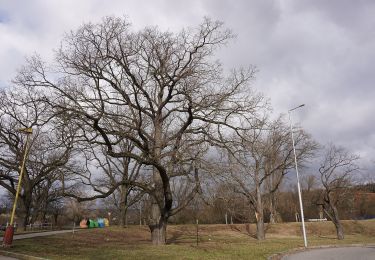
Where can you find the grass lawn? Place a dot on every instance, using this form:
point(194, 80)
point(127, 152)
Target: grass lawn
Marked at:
point(215, 241)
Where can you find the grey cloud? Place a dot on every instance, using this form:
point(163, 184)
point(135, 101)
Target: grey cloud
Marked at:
point(316, 52)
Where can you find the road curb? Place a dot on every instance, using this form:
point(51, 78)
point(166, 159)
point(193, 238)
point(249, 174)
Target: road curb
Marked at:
point(278, 256)
point(20, 256)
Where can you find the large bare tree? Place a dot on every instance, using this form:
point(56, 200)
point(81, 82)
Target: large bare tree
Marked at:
point(263, 156)
point(50, 152)
point(161, 91)
point(336, 174)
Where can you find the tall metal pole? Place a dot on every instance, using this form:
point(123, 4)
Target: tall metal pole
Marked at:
point(298, 183)
point(9, 232)
point(20, 179)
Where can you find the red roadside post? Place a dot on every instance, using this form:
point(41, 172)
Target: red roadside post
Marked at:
point(9, 231)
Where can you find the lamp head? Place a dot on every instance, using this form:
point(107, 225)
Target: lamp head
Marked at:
point(26, 130)
point(296, 107)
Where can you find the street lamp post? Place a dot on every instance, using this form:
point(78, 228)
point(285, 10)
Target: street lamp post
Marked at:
point(9, 232)
point(298, 183)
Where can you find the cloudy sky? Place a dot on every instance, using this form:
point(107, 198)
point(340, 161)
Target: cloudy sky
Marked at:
point(316, 52)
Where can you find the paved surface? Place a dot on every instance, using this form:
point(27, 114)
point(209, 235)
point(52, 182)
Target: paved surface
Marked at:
point(7, 258)
point(41, 234)
point(343, 253)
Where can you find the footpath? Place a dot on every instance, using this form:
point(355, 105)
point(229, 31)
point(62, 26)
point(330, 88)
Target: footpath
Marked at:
point(14, 256)
point(39, 234)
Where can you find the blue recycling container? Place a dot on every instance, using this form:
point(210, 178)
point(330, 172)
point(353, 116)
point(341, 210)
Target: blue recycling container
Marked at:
point(101, 222)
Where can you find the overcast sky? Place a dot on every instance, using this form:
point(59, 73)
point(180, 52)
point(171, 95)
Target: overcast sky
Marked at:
point(318, 52)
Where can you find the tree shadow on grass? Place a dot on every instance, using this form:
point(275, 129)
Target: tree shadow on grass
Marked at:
point(183, 236)
point(249, 231)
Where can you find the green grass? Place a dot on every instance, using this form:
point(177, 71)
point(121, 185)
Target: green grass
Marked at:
point(216, 242)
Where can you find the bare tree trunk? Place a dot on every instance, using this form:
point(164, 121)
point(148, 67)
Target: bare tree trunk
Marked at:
point(274, 216)
point(260, 229)
point(55, 217)
point(158, 226)
point(260, 226)
point(259, 206)
point(27, 205)
point(44, 217)
point(272, 202)
point(259, 216)
point(158, 221)
point(123, 216)
point(336, 220)
point(159, 233)
point(26, 217)
point(123, 205)
point(272, 211)
point(339, 230)
point(43, 213)
point(333, 215)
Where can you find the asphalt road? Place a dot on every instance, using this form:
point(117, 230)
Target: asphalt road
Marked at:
point(7, 258)
point(341, 253)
